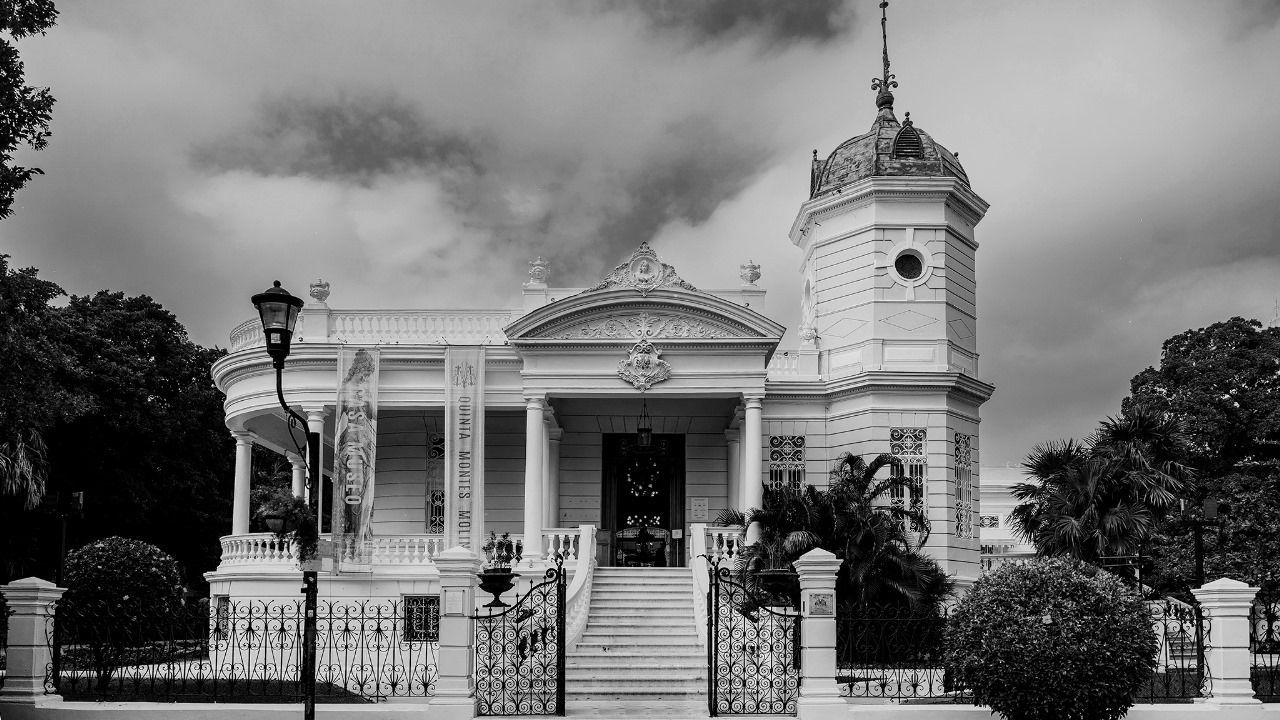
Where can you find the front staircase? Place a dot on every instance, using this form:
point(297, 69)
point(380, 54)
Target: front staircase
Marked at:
point(640, 642)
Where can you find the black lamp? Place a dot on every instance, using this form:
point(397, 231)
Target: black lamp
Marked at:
point(279, 312)
point(644, 429)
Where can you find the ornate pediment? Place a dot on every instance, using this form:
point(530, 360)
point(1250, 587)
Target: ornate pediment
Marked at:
point(643, 272)
point(642, 325)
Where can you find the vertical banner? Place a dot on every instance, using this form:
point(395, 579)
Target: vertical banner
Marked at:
point(464, 445)
point(354, 454)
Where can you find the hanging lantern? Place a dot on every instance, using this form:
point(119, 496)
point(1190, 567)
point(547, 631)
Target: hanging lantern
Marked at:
point(644, 429)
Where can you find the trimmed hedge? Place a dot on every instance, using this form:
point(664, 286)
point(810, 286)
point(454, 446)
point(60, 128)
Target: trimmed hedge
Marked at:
point(1051, 640)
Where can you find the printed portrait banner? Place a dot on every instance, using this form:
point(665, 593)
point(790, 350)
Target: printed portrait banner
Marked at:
point(464, 445)
point(354, 456)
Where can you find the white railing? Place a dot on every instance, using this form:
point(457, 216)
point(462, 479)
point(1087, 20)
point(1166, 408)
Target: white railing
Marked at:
point(257, 549)
point(428, 327)
point(403, 551)
point(784, 363)
point(247, 334)
point(578, 596)
point(562, 541)
point(724, 543)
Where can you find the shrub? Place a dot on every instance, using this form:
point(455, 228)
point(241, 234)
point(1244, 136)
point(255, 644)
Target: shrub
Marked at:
point(120, 593)
point(1051, 639)
point(299, 521)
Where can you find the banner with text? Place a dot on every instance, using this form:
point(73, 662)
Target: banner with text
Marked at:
point(464, 445)
point(354, 455)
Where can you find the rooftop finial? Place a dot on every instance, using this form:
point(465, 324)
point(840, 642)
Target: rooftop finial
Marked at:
point(884, 98)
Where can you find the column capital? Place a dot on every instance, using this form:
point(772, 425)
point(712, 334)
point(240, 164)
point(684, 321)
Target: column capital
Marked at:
point(733, 435)
point(753, 401)
point(535, 402)
point(295, 459)
point(554, 434)
point(315, 412)
point(242, 437)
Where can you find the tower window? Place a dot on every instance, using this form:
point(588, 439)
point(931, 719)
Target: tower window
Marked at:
point(907, 144)
point(786, 462)
point(909, 266)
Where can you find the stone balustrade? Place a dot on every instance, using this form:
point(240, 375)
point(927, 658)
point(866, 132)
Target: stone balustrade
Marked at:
point(266, 551)
point(390, 327)
point(257, 549)
point(723, 543)
point(562, 541)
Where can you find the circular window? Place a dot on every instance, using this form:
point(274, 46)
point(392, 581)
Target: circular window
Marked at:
point(909, 266)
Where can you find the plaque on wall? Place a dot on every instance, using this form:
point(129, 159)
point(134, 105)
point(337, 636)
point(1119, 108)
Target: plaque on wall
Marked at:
point(822, 604)
point(698, 509)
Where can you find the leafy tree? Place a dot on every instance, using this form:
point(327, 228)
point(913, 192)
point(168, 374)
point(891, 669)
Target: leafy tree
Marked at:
point(39, 389)
point(1051, 640)
point(25, 111)
point(1104, 497)
point(1223, 383)
point(153, 454)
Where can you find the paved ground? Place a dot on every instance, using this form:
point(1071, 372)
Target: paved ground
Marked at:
point(627, 710)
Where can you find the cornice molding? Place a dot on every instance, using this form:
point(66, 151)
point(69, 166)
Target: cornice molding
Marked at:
point(950, 191)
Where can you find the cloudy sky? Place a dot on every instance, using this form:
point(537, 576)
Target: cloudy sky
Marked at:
point(418, 154)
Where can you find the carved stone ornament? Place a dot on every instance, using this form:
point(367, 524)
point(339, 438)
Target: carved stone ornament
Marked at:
point(643, 368)
point(644, 272)
point(538, 271)
point(320, 290)
point(643, 325)
point(749, 272)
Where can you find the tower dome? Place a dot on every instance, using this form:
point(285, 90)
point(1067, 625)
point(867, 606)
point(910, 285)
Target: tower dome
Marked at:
point(890, 148)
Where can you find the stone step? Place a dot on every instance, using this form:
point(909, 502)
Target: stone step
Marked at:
point(602, 706)
point(665, 638)
point(639, 666)
point(627, 599)
point(626, 677)
point(609, 616)
point(637, 646)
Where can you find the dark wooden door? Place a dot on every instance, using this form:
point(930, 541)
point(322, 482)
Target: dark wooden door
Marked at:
point(643, 488)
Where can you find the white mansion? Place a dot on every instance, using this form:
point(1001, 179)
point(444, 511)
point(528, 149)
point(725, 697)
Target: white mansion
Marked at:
point(525, 420)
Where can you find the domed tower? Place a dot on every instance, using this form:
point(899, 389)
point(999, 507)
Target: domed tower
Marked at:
point(890, 308)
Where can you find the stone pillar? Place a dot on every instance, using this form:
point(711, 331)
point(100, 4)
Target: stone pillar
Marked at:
point(315, 423)
point(752, 486)
point(32, 601)
point(240, 492)
point(552, 502)
point(534, 441)
point(733, 469)
point(456, 661)
point(299, 474)
point(1226, 604)
point(817, 569)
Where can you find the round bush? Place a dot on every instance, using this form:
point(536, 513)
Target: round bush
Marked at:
point(1051, 639)
point(124, 578)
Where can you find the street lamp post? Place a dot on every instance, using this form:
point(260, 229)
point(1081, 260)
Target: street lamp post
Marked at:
point(279, 313)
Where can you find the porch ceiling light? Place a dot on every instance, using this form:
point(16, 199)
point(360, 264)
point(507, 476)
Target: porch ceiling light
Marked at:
point(279, 312)
point(644, 428)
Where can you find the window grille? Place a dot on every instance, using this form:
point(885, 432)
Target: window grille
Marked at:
point(435, 483)
point(964, 486)
point(989, 521)
point(221, 615)
point(422, 618)
point(908, 445)
point(786, 462)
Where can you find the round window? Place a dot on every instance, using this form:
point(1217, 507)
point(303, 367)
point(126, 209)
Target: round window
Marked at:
point(908, 266)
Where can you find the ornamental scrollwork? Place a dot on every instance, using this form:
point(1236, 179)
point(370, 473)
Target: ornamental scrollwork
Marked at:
point(644, 325)
point(643, 272)
point(643, 368)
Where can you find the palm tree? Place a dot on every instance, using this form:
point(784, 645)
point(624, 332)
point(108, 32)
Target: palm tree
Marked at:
point(1104, 497)
point(863, 520)
point(23, 470)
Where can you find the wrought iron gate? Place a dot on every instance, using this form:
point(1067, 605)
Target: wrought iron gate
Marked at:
point(520, 652)
point(753, 650)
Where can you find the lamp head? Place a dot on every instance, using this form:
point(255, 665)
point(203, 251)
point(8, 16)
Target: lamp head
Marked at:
point(278, 310)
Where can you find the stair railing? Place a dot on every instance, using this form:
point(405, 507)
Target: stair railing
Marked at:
point(698, 564)
point(578, 597)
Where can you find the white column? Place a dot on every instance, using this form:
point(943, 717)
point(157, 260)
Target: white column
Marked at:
point(32, 602)
point(818, 689)
point(315, 424)
point(752, 486)
point(1226, 604)
point(552, 502)
point(299, 474)
point(240, 492)
point(454, 687)
point(534, 445)
point(733, 469)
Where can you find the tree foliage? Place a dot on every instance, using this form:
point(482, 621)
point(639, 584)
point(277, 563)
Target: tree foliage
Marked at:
point(1051, 640)
point(1103, 497)
point(25, 111)
point(855, 518)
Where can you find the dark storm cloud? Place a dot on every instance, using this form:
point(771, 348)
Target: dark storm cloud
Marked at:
point(774, 20)
point(352, 135)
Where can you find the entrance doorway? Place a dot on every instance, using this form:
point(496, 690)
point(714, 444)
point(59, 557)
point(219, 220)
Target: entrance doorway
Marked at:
point(643, 503)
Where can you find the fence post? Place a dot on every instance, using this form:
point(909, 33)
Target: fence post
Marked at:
point(1226, 603)
point(456, 661)
point(819, 693)
point(32, 601)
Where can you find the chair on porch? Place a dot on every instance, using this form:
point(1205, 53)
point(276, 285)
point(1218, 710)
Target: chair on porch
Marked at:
point(642, 547)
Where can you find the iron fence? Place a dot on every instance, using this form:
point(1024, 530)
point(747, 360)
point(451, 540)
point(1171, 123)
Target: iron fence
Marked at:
point(893, 653)
point(1264, 646)
point(5, 612)
point(1182, 635)
point(520, 651)
point(241, 651)
point(753, 647)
